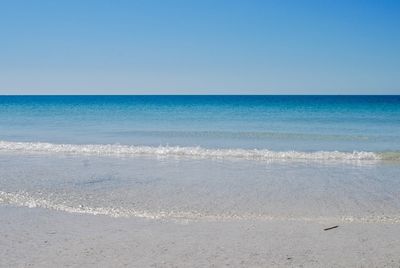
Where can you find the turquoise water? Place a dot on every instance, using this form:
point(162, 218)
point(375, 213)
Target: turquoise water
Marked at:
point(279, 123)
point(206, 158)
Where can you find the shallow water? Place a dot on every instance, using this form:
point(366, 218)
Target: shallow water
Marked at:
point(192, 158)
point(203, 189)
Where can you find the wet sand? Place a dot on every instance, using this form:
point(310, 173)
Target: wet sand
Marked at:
point(36, 237)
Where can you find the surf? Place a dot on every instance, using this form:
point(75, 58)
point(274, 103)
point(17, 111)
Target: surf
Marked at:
point(190, 152)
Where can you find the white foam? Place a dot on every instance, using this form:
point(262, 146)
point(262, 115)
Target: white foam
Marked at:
point(196, 152)
point(24, 199)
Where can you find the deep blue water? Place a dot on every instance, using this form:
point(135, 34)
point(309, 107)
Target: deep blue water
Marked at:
point(301, 123)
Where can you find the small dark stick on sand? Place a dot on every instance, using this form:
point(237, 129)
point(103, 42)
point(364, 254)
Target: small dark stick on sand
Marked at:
point(330, 228)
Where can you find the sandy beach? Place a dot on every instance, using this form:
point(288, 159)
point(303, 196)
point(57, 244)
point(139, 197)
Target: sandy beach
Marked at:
point(44, 238)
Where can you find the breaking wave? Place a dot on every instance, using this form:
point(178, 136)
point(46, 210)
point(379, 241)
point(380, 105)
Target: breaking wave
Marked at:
point(194, 152)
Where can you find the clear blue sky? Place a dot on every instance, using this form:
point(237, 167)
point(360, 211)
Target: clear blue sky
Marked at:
point(199, 47)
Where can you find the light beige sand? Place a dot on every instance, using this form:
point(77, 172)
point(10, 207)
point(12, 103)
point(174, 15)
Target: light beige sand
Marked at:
point(45, 238)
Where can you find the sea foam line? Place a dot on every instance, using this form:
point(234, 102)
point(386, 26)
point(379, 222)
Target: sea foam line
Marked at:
point(23, 199)
point(196, 152)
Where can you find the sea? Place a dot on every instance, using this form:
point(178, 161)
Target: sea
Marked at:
point(204, 158)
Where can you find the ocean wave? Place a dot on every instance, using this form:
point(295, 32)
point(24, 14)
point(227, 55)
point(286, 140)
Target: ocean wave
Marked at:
point(24, 199)
point(191, 152)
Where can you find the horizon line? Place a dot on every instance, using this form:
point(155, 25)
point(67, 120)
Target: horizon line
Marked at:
point(306, 94)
